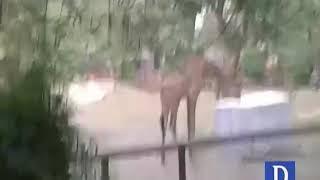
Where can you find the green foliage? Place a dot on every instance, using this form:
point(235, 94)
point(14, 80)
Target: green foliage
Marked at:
point(34, 141)
point(295, 52)
point(302, 73)
point(253, 64)
point(83, 32)
point(127, 70)
point(34, 130)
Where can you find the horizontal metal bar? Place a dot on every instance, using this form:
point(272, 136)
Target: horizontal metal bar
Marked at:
point(216, 141)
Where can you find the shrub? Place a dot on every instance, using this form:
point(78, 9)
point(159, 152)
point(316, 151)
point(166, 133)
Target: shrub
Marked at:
point(33, 129)
point(253, 64)
point(301, 73)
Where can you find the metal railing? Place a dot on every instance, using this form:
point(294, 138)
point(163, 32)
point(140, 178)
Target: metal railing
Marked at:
point(204, 142)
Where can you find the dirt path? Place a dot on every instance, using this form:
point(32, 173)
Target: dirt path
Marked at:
point(131, 117)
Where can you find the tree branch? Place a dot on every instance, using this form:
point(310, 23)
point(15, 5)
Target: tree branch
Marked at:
point(229, 21)
point(121, 2)
point(95, 29)
point(225, 25)
point(132, 4)
point(61, 7)
point(219, 13)
point(1, 8)
point(45, 24)
point(287, 21)
point(309, 34)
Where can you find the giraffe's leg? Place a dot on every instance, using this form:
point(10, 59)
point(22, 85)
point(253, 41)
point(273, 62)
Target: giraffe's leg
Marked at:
point(218, 89)
point(173, 120)
point(163, 125)
point(191, 105)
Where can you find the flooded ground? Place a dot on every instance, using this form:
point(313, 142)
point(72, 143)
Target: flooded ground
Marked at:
point(131, 117)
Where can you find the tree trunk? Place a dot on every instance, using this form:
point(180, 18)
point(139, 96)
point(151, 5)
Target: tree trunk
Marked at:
point(57, 39)
point(315, 76)
point(109, 23)
point(230, 84)
point(1, 8)
point(147, 62)
point(219, 14)
point(192, 20)
point(44, 38)
point(157, 58)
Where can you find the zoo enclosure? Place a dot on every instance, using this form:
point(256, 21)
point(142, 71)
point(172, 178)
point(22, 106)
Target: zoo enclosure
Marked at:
point(203, 142)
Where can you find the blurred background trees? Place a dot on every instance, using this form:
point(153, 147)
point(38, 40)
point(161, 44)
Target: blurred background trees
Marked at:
point(113, 34)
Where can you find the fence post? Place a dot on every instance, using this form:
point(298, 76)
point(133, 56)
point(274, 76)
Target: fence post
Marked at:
point(182, 162)
point(105, 169)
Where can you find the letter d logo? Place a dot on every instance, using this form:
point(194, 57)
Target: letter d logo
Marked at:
point(276, 169)
point(279, 170)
